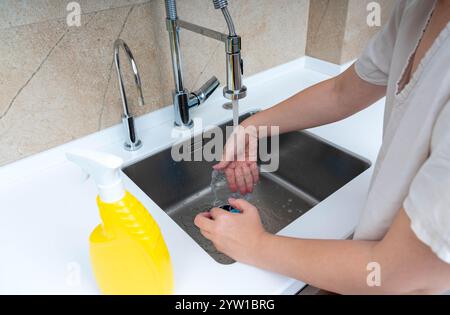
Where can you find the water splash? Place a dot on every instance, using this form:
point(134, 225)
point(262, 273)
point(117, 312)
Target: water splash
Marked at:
point(221, 192)
point(218, 182)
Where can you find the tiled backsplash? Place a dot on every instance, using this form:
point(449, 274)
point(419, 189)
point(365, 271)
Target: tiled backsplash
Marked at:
point(338, 29)
point(58, 83)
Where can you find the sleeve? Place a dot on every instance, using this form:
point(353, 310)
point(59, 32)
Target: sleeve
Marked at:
point(428, 202)
point(374, 64)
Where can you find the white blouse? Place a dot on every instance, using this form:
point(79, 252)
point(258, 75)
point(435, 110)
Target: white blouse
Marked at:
point(413, 166)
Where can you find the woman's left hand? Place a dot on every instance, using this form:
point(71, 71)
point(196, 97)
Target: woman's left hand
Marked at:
point(237, 235)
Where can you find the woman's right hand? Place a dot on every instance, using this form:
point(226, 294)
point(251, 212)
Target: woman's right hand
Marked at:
point(239, 160)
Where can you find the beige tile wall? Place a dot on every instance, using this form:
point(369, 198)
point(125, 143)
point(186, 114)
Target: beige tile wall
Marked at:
point(23, 12)
point(57, 82)
point(357, 33)
point(338, 30)
point(326, 28)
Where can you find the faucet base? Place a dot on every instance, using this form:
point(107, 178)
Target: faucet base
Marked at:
point(187, 126)
point(132, 141)
point(133, 147)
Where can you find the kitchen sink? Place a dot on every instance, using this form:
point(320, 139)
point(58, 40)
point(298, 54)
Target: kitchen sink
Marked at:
point(310, 170)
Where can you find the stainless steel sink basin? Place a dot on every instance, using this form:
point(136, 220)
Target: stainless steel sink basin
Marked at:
point(310, 170)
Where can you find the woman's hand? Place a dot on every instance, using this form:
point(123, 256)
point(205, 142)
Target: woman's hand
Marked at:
point(239, 160)
point(238, 235)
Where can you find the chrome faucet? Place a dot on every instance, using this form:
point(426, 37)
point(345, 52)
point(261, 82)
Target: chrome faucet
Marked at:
point(132, 141)
point(234, 89)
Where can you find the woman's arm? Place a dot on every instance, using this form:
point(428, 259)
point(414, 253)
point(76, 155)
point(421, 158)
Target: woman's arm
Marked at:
point(407, 265)
point(323, 103)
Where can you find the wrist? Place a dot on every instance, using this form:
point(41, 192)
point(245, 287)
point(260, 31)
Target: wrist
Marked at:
point(260, 247)
point(247, 122)
point(250, 122)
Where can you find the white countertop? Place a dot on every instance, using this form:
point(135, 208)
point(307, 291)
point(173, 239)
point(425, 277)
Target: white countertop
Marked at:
point(47, 210)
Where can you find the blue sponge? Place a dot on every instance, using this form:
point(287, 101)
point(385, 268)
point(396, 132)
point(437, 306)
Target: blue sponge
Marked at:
point(230, 209)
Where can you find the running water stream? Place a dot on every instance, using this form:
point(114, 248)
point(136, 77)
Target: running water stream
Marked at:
point(218, 180)
point(235, 104)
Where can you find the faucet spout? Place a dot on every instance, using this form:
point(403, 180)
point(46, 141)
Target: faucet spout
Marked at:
point(132, 141)
point(204, 92)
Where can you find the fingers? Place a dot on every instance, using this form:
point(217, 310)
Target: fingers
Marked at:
point(203, 222)
point(221, 165)
point(240, 181)
point(231, 179)
point(248, 178)
point(244, 178)
point(206, 215)
point(206, 234)
point(242, 205)
point(217, 212)
point(254, 171)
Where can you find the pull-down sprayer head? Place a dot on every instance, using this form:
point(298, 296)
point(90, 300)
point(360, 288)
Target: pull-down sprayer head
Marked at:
point(234, 89)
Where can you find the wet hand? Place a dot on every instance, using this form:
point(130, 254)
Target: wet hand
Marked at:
point(239, 161)
point(240, 236)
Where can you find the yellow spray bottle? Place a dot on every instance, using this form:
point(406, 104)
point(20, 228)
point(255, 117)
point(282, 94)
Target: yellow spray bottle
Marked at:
point(128, 252)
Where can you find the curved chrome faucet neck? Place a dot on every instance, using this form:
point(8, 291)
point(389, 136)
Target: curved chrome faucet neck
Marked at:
point(132, 141)
point(137, 78)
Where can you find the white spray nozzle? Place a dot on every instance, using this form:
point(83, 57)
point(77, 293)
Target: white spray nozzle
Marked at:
point(104, 169)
